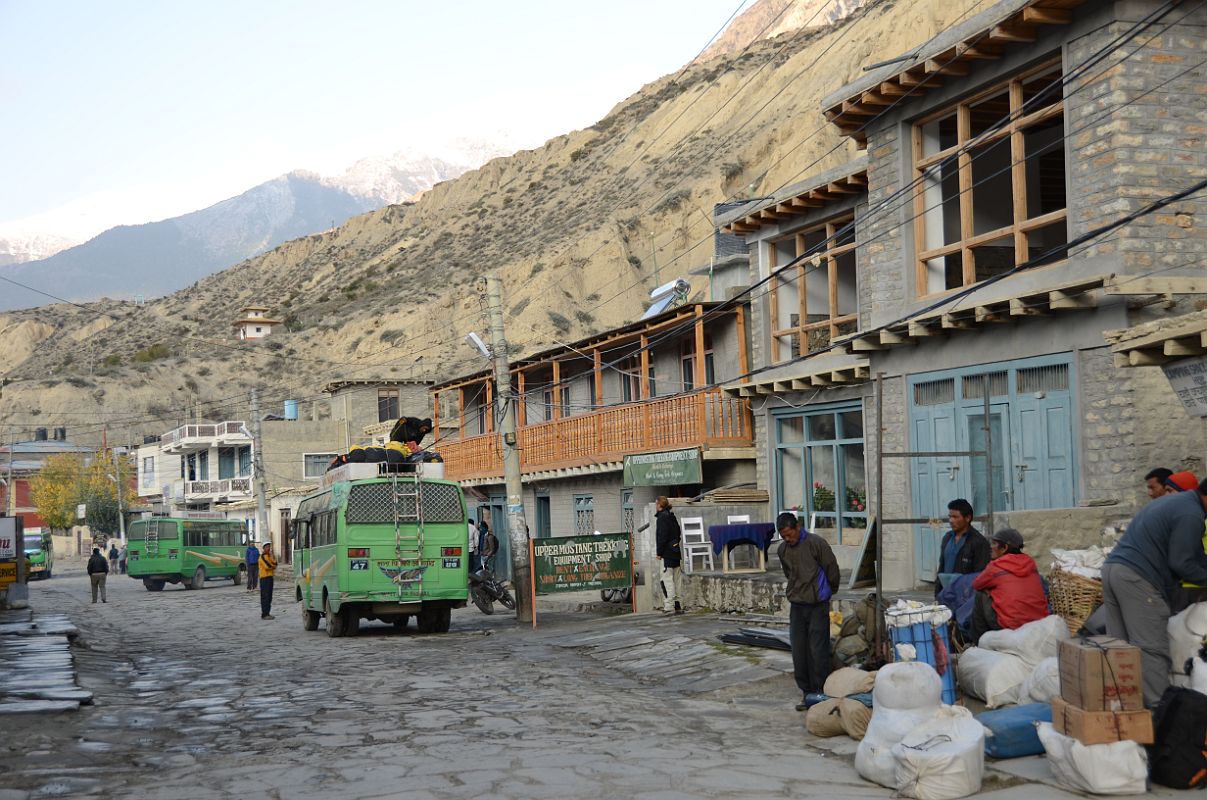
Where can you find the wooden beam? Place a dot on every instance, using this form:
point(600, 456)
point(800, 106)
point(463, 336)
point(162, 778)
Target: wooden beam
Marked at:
point(1120, 360)
point(1034, 15)
point(980, 50)
point(858, 179)
point(874, 98)
point(644, 384)
point(857, 109)
point(1019, 308)
point(1011, 33)
point(935, 67)
point(918, 330)
point(1183, 347)
point(798, 203)
point(1123, 284)
point(1146, 358)
point(521, 402)
point(989, 314)
point(819, 380)
point(892, 89)
point(836, 188)
point(843, 376)
point(952, 322)
point(768, 213)
point(1059, 300)
point(740, 318)
point(866, 344)
point(892, 338)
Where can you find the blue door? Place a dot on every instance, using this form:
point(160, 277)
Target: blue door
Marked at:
point(936, 481)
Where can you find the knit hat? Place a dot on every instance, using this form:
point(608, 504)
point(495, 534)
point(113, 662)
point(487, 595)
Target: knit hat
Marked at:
point(1182, 481)
point(1009, 537)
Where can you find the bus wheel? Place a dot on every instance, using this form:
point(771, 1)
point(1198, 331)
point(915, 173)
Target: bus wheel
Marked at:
point(199, 578)
point(152, 585)
point(310, 619)
point(238, 579)
point(435, 620)
point(401, 622)
point(337, 623)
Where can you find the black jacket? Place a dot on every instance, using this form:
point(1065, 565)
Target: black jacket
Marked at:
point(668, 536)
point(973, 556)
point(98, 563)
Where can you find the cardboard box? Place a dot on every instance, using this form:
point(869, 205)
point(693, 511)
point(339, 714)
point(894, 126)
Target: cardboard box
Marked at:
point(1101, 727)
point(1100, 673)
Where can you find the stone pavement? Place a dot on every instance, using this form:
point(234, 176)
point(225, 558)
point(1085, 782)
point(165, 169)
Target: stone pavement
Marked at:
point(195, 695)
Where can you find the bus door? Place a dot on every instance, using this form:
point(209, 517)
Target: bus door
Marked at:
point(301, 545)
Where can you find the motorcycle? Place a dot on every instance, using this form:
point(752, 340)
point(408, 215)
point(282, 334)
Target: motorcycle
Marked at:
point(485, 589)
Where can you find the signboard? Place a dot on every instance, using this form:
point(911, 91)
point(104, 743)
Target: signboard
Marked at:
point(669, 468)
point(81, 511)
point(8, 537)
point(1188, 378)
point(8, 573)
point(579, 563)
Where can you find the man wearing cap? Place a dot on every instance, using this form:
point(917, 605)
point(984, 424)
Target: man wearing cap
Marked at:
point(1162, 546)
point(268, 566)
point(1009, 592)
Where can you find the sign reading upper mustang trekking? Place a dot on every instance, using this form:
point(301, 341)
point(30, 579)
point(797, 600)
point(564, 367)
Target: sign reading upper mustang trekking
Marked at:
point(669, 468)
point(577, 563)
point(1188, 377)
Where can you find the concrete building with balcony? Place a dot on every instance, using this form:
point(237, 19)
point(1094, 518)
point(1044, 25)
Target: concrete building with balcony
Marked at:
point(254, 324)
point(647, 387)
point(965, 255)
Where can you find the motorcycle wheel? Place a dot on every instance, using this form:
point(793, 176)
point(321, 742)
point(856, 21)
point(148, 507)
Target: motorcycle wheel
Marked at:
point(484, 603)
point(506, 599)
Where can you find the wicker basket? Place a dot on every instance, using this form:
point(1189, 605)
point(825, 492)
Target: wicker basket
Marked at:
point(1073, 597)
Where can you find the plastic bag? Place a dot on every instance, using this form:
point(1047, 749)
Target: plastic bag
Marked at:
point(943, 758)
point(906, 685)
point(1033, 642)
point(996, 678)
point(1043, 683)
point(1115, 768)
point(848, 681)
point(874, 759)
point(1187, 631)
point(1198, 671)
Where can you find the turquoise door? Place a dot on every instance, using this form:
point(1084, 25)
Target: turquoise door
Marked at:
point(936, 481)
point(1042, 474)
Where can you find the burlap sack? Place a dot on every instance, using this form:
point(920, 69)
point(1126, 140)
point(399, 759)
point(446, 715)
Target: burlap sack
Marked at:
point(847, 681)
point(855, 717)
point(825, 720)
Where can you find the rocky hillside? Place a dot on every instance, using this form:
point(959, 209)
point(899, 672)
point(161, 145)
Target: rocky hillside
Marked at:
point(574, 228)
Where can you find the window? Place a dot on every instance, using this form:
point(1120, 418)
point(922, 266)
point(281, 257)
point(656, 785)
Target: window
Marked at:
point(315, 464)
point(481, 418)
point(565, 397)
point(630, 380)
point(387, 405)
point(188, 467)
point(203, 465)
point(628, 510)
point(990, 177)
point(590, 405)
point(584, 514)
point(547, 403)
point(687, 360)
point(245, 461)
point(817, 300)
point(820, 470)
point(226, 463)
point(148, 472)
point(257, 329)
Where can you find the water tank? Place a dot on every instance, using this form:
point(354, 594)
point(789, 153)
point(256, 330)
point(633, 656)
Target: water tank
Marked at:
point(40, 435)
point(291, 409)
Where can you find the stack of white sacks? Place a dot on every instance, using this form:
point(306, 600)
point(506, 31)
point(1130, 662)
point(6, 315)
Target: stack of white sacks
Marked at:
point(1187, 632)
point(1015, 666)
point(915, 744)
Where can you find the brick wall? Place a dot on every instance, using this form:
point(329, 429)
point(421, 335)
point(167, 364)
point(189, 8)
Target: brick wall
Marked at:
point(882, 270)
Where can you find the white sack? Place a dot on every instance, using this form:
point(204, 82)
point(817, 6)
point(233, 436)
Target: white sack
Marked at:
point(1186, 632)
point(1033, 642)
point(1115, 768)
point(874, 759)
point(907, 684)
point(1043, 683)
point(996, 678)
point(1198, 674)
point(942, 759)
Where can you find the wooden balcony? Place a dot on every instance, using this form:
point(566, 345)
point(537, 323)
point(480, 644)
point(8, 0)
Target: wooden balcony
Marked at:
point(700, 419)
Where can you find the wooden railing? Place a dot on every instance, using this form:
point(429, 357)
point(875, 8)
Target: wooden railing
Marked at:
point(700, 419)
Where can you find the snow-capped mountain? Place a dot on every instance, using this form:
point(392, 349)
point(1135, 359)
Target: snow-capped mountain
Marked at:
point(19, 246)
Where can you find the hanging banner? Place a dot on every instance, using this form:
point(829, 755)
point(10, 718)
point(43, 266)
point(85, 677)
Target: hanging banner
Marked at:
point(579, 563)
point(1188, 377)
point(669, 468)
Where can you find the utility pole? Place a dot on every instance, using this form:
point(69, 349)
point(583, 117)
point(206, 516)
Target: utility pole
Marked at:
point(257, 468)
point(121, 514)
point(517, 530)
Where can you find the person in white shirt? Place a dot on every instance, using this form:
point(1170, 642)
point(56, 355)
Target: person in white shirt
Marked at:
point(474, 562)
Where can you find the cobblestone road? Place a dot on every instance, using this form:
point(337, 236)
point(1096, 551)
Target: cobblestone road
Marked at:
point(197, 697)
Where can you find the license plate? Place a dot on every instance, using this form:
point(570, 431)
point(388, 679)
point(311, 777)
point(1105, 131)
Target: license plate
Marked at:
point(451, 563)
point(359, 565)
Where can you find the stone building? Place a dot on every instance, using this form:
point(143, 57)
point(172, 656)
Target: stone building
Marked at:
point(953, 258)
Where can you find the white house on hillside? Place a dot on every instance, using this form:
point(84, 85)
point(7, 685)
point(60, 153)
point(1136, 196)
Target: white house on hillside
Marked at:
point(254, 324)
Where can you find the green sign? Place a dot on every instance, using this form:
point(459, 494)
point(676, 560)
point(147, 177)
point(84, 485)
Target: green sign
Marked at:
point(669, 468)
point(578, 563)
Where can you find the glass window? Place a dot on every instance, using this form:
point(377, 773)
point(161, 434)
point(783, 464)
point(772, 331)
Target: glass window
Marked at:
point(584, 514)
point(387, 405)
point(821, 471)
point(245, 461)
point(148, 472)
point(203, 465)
point(315, 464)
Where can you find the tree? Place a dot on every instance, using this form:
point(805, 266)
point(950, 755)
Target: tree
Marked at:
point(55, 490)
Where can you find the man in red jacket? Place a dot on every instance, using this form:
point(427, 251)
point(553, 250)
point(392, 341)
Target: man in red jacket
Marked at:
point(1009, 592)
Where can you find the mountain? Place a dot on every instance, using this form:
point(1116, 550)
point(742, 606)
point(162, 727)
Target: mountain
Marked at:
point(160, 257)
point(767, 19)
point(18, 247)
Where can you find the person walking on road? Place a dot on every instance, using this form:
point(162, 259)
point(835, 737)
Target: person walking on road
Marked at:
point(268, 566)
point(812, 572)
point(98, 568)
point(113, 556)
point(669, 535)
point(253, 566)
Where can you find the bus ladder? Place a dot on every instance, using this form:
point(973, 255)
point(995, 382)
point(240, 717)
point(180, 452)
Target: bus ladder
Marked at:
point(152, 537)
point(408, 494)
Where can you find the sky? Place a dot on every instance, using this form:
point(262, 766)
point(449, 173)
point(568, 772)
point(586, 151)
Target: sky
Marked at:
point(123, 112)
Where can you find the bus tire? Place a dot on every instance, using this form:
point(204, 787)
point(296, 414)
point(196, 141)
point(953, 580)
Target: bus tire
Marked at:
point(198, 578)
point(152, 585)
point(401, 622)
point(239, 573)
point(435, 619)
point(310, 619)
point(337, 622)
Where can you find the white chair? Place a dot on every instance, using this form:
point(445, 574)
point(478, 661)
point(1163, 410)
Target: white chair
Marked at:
point(695, 543)
point(739, 519)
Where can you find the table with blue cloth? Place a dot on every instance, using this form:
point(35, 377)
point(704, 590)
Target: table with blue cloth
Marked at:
point(725, 537)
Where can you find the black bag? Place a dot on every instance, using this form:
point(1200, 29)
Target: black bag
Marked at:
point(1178, 759)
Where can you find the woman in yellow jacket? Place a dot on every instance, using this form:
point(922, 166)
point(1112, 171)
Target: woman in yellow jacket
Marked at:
point(268, 566)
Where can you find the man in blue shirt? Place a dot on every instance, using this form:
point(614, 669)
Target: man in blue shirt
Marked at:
point(253, 567)
point(964, 549)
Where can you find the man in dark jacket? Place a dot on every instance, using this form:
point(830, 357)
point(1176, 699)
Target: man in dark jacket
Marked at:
point(252, 558)
point(812, 572)
point(1162, 546)
point(964, 549)
point(1009, 592)
point(668, 536)
point(410, 430)
point(98, 568)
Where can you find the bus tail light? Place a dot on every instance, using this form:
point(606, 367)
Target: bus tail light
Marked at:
point(173, 553)
point(358, 552)
point(450, 551)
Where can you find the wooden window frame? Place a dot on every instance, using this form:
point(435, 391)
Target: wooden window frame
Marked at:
point(1021, 226)
point(827, 258)
point(687, 362)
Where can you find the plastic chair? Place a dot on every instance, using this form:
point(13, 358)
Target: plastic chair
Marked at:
point(740, 519)
point(695, 543)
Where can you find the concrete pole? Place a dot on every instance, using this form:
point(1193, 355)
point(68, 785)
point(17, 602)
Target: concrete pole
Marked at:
point(257, 469)
point(517, 529)
point(121, 514)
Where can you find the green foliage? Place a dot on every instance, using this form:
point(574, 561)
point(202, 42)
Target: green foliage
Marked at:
point(153, 353)
point(111, 361)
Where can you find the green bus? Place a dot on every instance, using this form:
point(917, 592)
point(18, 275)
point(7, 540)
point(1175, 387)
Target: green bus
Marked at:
point(183, 550)
point(39, 553)
point(385, 548)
